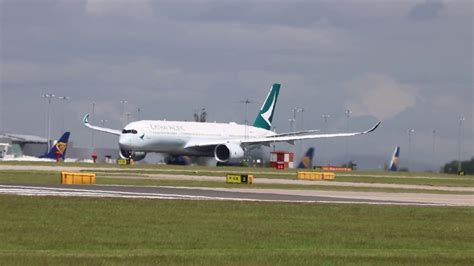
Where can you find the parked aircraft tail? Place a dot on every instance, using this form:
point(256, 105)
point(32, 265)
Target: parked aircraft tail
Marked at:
point(307, 161)
point(265, 116)
point(59, 148)
point(395, 159)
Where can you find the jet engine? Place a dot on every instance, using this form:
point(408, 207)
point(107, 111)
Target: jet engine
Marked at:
point(228, 152)
point(136, 156)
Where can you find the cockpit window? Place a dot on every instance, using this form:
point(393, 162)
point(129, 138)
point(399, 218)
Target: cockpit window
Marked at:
point(129, 131)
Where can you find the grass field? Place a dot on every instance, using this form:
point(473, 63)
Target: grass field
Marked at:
point(84, 231)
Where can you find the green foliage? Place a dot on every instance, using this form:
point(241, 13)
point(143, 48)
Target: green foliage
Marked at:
point(466, 166)
point(65, 231)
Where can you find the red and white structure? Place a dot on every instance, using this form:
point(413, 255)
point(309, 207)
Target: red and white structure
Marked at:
point(281, 159)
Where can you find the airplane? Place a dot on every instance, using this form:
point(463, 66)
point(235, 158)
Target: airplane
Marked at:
point(395, 159)
point(307, 160)
point(226, 142)
point(58, 149)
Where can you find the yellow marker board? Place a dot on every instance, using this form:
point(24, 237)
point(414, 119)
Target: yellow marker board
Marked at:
point(239, 179)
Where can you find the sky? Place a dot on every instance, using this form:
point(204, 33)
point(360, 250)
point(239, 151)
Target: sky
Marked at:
point(406, 63)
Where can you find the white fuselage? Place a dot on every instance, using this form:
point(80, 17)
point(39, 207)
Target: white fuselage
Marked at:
point(171, 137)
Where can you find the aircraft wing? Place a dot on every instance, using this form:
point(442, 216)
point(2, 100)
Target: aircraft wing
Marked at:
point(277, 138)
point(103, 129)
point(288, 137)
point(297, 133)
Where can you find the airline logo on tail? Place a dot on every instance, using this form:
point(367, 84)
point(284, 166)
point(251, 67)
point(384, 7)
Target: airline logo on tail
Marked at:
point(59, 149)
point(265, 117)
point(307, 161)
point(395, 159)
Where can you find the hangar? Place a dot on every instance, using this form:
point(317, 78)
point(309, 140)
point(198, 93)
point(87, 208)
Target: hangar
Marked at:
point(20, 145)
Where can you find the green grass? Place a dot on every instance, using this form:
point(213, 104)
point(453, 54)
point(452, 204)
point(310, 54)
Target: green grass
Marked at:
point(462, 182)
point(45, 177)
point(31, 177)
point(190, 183)
point(56, 230)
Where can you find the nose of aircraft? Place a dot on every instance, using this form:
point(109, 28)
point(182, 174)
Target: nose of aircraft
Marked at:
point(124, 141)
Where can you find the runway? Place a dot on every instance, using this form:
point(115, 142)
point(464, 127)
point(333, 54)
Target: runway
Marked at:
point(261, 180)
point(239, 194)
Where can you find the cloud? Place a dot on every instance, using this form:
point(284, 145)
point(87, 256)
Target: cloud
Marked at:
point(135, 8)
point(379, 95)
point(430, 9)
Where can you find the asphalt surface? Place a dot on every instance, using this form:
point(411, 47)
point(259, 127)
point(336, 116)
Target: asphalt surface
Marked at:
point(260, 180)
point(242, 194)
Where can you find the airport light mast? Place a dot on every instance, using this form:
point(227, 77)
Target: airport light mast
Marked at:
point(92, 119)
point(293, 123)
point(409, 131)
point(123, 102)
point(64, 99)
point(139, 109)
point(49, 97)
point(348, 114)
point(1, 110)
point(102, 122)
point(325, 117)
point(246, 102)
point(433, 159)
point(461, 119)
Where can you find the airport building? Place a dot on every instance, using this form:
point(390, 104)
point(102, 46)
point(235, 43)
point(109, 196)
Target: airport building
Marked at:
point(18, 146)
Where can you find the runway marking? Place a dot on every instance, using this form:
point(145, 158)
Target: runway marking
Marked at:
point(79, 192)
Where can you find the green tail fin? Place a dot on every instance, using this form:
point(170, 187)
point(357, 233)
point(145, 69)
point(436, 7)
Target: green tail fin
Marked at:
point(265, 116)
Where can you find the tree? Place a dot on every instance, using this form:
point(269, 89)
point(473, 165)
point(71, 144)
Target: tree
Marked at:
point(466, 166)
point(201, 117)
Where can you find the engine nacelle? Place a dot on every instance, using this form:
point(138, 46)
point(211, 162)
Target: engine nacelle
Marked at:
point(136, 156)
point(228, 152)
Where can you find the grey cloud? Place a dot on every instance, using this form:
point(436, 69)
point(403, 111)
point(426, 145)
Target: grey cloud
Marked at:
point(428, 10)
point(170, 58)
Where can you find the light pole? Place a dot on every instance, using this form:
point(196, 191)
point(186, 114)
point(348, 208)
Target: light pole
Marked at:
point(128, 114)
point(246, 102)
point(64, 99)
point(348, 114)
point(325, 117)
point(102, 122)
point(293, 125)
point(293, 120)
point(461, 119)
point(274, 144)
point(1, 110)
point(138, 113)
point(123, 102)
point(409, 131)
point(92, 120)
point(49, 97)
point(434, 151)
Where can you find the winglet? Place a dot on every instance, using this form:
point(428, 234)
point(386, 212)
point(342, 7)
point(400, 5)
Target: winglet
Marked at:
point(373, 128)
point(86, 119)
